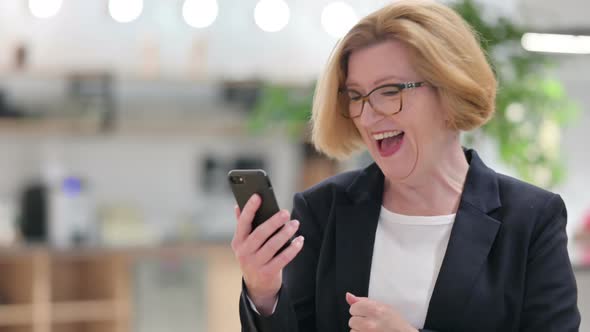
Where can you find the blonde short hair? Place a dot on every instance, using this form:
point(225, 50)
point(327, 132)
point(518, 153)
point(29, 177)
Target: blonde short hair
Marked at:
point(446, 54)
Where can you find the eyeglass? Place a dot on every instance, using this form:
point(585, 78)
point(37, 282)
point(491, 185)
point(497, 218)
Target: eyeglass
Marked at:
point(385, 99)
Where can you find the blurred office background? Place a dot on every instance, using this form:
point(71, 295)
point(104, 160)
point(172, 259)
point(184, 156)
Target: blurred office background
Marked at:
point(120, 119)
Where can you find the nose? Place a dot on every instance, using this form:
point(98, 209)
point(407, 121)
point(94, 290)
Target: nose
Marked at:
point(368, 115)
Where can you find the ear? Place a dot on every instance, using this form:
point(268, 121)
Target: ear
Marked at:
point(450, 118)
point(444, 108)
point(450, 124)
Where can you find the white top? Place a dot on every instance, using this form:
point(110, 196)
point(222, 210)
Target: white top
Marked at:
point(407, 256)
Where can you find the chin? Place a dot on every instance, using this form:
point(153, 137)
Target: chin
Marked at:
point(396, 168)
point(396, 173)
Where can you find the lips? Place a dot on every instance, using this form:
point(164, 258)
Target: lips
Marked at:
point(386, 134)
point(388, 143)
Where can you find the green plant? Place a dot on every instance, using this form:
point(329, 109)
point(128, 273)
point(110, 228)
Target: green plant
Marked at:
point(285, 105)
point(531, 106)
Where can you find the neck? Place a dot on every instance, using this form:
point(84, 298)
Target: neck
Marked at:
point(435, 191)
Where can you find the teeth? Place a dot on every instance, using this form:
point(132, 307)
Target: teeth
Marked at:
point(386, 134)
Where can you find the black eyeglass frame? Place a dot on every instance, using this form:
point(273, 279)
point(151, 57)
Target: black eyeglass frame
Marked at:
point(365, 98)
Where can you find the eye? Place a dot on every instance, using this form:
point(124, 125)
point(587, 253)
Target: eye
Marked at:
point(389, 91)
point(354, 96)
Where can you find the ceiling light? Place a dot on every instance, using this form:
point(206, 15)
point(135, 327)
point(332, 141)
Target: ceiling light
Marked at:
point(553, 43)
point(271, 15)
point(338, 18)
point(44, 8)
point(124, 11)
point(200, 13)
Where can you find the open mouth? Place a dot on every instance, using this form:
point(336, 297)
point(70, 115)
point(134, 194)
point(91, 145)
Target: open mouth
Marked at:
point(389, 142)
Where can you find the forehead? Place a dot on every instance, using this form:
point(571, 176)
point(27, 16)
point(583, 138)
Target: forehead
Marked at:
point(380, 61)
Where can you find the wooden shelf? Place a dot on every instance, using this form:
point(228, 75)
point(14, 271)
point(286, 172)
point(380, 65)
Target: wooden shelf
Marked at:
point(118, 289)
point(50, 292)
point(70, 279)
point(16, 315)
point(20, 328)
point(228, 125)
point(16, 281)
point(84, 327)
point(84, 311)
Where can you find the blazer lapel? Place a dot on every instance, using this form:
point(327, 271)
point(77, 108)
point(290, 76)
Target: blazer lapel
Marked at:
point(472, 237)
point(356, 224)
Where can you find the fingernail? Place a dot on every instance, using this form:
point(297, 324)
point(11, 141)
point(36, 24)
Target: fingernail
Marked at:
point(300, 240)
point(293, 223)
point(255, 198)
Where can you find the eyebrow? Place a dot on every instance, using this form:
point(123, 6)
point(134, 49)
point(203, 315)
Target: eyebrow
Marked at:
point(378, 81)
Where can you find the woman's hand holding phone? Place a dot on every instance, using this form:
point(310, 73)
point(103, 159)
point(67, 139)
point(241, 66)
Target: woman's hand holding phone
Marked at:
point(256, 250)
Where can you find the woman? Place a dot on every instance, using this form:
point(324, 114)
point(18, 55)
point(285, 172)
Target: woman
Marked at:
point(428, 237)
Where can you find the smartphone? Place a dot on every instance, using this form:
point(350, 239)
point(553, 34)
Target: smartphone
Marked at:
point(246, 182)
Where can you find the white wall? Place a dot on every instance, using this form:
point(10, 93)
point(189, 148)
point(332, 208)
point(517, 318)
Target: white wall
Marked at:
point(548, 14)
point(158, 175)
point(574, 71)
point(83, 36)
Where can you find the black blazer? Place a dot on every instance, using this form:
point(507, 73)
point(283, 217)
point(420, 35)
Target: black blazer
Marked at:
point(506, 267)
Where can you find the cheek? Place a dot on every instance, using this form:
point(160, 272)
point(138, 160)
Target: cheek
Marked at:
point(357, 125)
point(425, 128)
point(361, 130)
point(427, 117)
point(426, 111)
